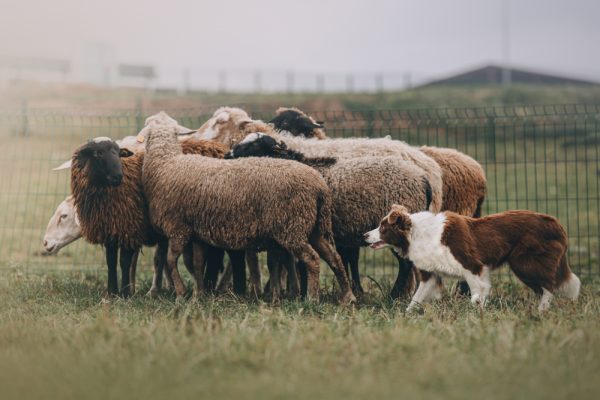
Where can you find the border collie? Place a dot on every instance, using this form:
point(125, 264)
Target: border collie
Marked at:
point(447, 244)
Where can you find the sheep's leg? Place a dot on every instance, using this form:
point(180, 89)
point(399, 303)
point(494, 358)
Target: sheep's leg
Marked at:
point(310, 258)
point(111, 261)
point(405, 281)
point(214, 264)
point(252, 260)
point(238, 265)
point(175, 249)
point(327, 252)
point(199, 260)
point(282, 276)
point(188, 258)
point(225, 281)
point(302, 275)
point(342, 252)
point(160, 258)
point(292, 281)
point(274, 278)
point(267, 288)
point(125, 260)
point(132, 271)
point(353, 255)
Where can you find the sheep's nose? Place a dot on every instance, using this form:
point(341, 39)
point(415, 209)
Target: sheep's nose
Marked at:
point(45, 243)
point(116, 179)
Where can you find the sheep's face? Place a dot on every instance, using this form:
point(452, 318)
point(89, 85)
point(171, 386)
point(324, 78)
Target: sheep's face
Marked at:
point(259, 145)
point(295, 123)
point(63, 228)
point(224, 125)
point(103, 163)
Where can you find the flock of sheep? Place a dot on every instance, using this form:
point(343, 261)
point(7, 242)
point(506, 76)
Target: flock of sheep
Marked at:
point(244, 186)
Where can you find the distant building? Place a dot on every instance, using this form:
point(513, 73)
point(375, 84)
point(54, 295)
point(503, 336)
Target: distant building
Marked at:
point(492, 75)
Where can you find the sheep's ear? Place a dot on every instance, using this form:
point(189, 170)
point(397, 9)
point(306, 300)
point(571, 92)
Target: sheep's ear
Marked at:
point(124, 152)
point(184, 133)
point(243, 124)
point(319, 124)
point(65, 165)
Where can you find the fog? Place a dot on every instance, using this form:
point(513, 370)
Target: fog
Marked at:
point(424, 38)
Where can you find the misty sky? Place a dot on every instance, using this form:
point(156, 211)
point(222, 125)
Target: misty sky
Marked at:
point(427, 38)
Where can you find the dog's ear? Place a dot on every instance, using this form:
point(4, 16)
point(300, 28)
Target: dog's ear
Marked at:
point(399, 216)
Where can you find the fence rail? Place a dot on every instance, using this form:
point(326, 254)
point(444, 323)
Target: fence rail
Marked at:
point(538, 157)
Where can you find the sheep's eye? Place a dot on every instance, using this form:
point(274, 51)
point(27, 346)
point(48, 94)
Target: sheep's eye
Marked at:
point(63, 216)
point(98, 154)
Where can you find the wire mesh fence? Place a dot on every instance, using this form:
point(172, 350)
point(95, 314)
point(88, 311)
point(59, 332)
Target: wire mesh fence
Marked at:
point(542, 158)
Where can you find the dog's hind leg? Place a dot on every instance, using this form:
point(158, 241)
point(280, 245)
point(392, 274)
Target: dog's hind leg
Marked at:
point(545, 300)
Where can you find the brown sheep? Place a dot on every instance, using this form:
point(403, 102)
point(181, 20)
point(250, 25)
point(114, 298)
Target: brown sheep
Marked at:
point(239, 204)
point(117, 216)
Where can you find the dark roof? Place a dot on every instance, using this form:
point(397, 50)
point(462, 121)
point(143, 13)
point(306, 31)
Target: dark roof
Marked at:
point(492, 74)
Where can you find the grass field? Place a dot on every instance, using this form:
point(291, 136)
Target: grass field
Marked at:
point(60, 339)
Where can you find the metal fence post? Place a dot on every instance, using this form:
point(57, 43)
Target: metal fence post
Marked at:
point(139, 116)
point(24, 119)
point(490, 139)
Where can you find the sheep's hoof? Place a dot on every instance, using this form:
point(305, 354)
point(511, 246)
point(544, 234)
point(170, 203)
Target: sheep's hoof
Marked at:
point(153, 293)
point(276, 301)
point(198, 295)
point(348, 299)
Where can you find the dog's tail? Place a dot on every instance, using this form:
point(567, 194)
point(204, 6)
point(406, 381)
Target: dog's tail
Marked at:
point(571, 284)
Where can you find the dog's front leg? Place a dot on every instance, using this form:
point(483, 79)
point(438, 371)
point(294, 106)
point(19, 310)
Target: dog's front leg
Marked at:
point(426, 290)
point(480, 285)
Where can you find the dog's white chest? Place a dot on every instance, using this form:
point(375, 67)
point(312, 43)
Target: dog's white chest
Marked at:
point(426, 250)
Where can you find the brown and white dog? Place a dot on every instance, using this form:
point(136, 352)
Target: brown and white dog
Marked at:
point(447, 244)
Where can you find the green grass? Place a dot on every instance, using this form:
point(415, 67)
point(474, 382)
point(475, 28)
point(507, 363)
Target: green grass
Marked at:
point(60, 339)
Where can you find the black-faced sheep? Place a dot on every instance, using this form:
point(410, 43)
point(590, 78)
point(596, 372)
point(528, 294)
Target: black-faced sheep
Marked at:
point(110, 205)
point(298, 123)
point(362, 189)
point(239, 204)
point(117, 217)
